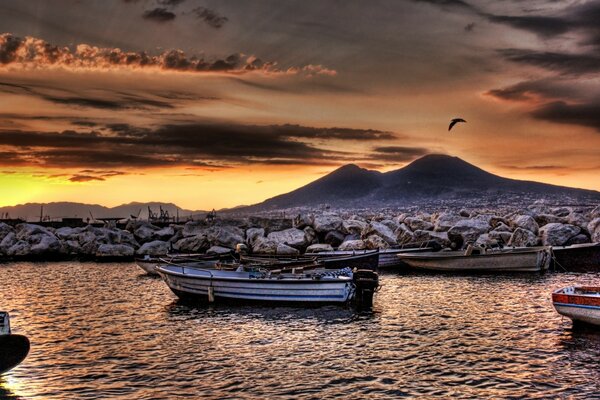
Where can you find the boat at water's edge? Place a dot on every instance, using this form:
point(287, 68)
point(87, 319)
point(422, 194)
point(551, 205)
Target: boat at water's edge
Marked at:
point(580, 303)
point(13, 348)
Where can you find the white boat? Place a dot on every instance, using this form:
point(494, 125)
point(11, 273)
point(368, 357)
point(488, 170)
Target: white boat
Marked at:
point(319, 286)
point(13, 348)
point(580, 303)
point(533, 259)
point(149, 263)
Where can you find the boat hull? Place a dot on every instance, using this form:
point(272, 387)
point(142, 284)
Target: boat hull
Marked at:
point(577, 258)
point(386, 258)
point(578, 307)
point(148, 266)
point(224, 286)
point(13, 350)
point(516, 261)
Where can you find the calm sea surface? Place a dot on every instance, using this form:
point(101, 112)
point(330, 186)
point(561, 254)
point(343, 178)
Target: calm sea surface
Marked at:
point(107, 331)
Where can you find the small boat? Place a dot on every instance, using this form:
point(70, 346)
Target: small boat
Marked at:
point(13, 348)
point(387, 258)
point(532, 259)
point(576, 258)
point(361, 260)
point(149, 263)
point(316, 286)
point(580, 303)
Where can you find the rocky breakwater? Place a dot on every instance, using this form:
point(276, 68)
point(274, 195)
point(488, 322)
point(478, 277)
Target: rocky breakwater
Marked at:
point(537, 224)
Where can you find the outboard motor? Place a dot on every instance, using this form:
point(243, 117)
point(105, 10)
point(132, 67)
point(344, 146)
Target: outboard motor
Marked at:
point(366, 282)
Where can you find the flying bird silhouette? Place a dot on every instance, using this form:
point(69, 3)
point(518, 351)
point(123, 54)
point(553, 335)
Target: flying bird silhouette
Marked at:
point(455, 121)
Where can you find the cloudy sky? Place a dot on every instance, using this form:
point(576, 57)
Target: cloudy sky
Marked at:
point(220, 103)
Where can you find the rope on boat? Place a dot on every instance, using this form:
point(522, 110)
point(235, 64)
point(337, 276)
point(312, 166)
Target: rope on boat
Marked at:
point(556, 261)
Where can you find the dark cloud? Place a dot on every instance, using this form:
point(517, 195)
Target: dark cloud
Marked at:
point(448, 4)
point(563, 63)
point(583, 114)
point(170, 3)
point(539, 90)
point(210, 17)
point(211, 145)
point(85, 178)
point(159, 14)
point(543, 26)
point(534, 167)
point(398, 153)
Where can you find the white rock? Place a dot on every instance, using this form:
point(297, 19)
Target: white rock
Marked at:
point(292, 237)
point(353, 226)
point(253, 234)
point(374, 242)
point(319, 247)
point(382, 231)
point(467, 231)
point(285, 250)
point(445, 221)
point(154, 248)
point(114, 250)
point(417, 224)
point(327, 222)
point(525, 222)
point(353, 245)
point(557, 234)
point(218, 250)
point(523, 238)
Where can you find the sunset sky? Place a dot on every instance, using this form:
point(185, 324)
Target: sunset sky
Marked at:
point(211, 104)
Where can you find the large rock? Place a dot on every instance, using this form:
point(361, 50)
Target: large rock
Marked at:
point(523, 238)
point(67, 233)
point(218, 250)
point(165, 233)
point(44, 244)
point(293, 237)
point(353, 245)
point(467, 231)
point(486, 240)
point(390, 223)
point(382, 231)
point(501, 236)
point(192, 244)
point(23, 231)
point(445, 221)
point(253, 234)
point(578, 219)
point(318, 248)
point(226, 236)
point(578, 239)
point(525, 222)
point(334, 238)
point(154, 248)
point(7, 242)
point(327, 222)
point(114, 250)
point(374, 242)
point(353, 226)
point(193, 228)
point(18, 249)
point(5, 229)
point(557, 234)
point(264, 246)
point(417, 224)
point(561, 211)
point(544, 219)
point(310, 234)
point(594, 229)
point(301, 221)
point(595, 213)
point(439, 237)
point(404, 234)
point(285, 250)
point(145, 233)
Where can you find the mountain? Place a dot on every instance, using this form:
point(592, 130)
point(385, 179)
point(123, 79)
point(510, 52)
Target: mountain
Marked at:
point(432, 179)
point(32, 211)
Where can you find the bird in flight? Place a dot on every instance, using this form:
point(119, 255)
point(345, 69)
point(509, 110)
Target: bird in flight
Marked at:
point(455, 121)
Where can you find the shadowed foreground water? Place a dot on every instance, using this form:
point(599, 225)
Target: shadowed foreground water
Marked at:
point(107, 331)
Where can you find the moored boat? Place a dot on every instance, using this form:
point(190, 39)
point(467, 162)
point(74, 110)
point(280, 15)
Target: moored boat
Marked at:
point(13, 348)
point(361, 260)
point(576, 258)
point(149, 263)
point(387, 257)
point(580, 303)
point(316, 286)
point(534, 259)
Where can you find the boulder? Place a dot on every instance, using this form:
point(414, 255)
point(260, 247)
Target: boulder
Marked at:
point(5, 229)
point(417, 224)
point(594, 230)
point(544, 219)
point(7, 242)
point(445, 221)
point(164, 233)
point(145, 233)
point(561, 211)
point(67, 233)
point(557, 234)
point(218, 250)
point(311, 235)
point(154, 248)
point(380, 230)
point(18, 249)
point(404, 234)
point(23, 231)
point(285, 250)
point(334, 238)
point(353, 245)
point(464, 213)
point(44, 244)
point(353, 226)
point(578, 219)
point(114, 250)
point(374, 242)
point(226, 236)
point(317, 248)
point(595, 213)
point(525, 222)
point(502, 227)
point(293, 237)
point(523, 238)
point(263, 246)
point(467, 231)
point(439, 237)
point(486, 240)
point(253, 234)
point(393, 225)
point(192, 244)
point(500, 236)
point(578, 239)
point(301, 221)
point(327, 222)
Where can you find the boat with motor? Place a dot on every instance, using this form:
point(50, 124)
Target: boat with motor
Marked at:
point(149, 263)
point(580, 303)
point(531, 259)
point(361, 260)
point(287, 285)
point(387, 258)
point(13, 348)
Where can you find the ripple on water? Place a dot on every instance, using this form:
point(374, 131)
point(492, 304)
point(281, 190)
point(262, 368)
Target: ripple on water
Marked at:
point(104, 330)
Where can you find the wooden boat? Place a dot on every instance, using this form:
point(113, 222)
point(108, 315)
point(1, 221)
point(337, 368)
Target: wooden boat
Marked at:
point(580, 303)
point(149, 263)
point(362, 260)
point(13, 348)
point(576, 258)
point(533, 259)
point(318, 286)
point(387, 258)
